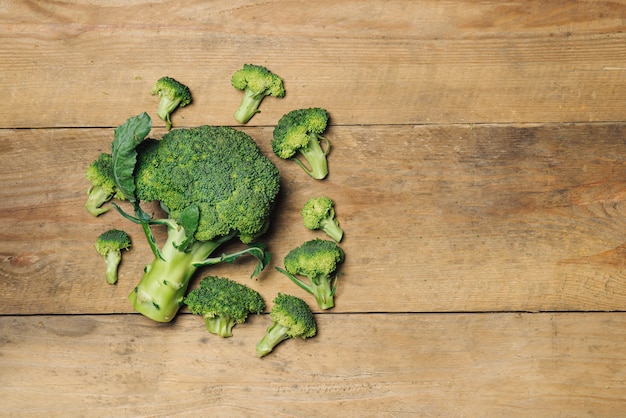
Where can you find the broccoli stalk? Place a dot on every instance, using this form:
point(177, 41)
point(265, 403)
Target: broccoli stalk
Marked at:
point(319, 213)
point(298, 134)
point(256, 82)
point(318, 260)
point(172, 94)
point(291, 318)
point(223, 303)
point(110, 244)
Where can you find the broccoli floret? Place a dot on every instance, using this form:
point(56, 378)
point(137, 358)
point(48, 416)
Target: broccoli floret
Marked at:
point(172, 94)
point(214, 185)
point(298, 133)
point(256, 82)
point(318, 260)
point(291, 318)
point(110, 245)
point(319, 213)
point(223, 303)
point(102, 188)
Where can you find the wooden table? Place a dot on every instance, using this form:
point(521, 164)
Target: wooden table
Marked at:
point(478, 170)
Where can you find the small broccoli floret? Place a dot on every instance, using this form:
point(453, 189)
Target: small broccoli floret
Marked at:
point(215, 185)
point(223, 303)
point(172, 94)
point(256, 82)
point(102, 188)
point(110, 245)
point(291, 318)
point(318, 260)
point(298, 133)
point(319, 213)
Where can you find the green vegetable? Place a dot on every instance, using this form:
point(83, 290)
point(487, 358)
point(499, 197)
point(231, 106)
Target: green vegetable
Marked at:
point(223, 303)
point(319, 213)
point(291, 318)
point(110, 245)
point(102, 187)
point(256, 82)
point(172, 94)
point(214, 185)
point(318, 260)
point(298, 134)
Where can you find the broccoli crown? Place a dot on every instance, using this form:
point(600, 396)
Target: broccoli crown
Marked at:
point(317, 210)
point(259, 80)
point(173, 90)
point(219, 170)
point(295, 315)
point(314, 259)
point(112, 240)
point(295, 129)
point(100, 174)
point(225, 298)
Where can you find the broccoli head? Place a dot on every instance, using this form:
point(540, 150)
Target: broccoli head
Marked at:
point(172, 94)
point(291, 318)
point(102, 188)
point(318, 261)
point(298, 134)
point(214, 185)
point(223, 303)
point(110, 245)
point(319, 213)
point(256, 82)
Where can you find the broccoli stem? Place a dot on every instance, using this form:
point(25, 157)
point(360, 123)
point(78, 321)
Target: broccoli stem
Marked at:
point(112, 260)
point(273, 336)
point(161, 290)
point(249, 106)
point(332, 229)
point(315, 157)
point(220, 326)
point(324, 292)
point(96, 197)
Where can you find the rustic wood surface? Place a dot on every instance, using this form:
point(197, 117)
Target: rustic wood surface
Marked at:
point(478, 169)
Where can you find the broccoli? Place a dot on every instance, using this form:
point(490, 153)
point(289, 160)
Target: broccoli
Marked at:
point(291, 318)
point(317, 260)
point(298, 133)
point(110, 245)
point(102, 188)
point(172, 94)
point(256, 82)
point(213, 184)
point(319, 213)
point(223, 303)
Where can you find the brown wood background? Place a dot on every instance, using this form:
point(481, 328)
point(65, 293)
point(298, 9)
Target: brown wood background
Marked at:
point(478, 170)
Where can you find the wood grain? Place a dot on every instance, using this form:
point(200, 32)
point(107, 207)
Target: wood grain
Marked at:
point(437, 219)
point(69, 64)
point(403, 365)
point(478, 169)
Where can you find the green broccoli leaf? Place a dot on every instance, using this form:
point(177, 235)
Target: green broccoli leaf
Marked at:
point(123, 149)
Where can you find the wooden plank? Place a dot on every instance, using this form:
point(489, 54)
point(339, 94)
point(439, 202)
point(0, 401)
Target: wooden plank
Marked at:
point(70, 64)
point(363, 365)
point(437, 219)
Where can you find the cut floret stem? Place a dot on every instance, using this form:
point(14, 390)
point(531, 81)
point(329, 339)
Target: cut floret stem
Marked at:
point(274, 335)
point(322, 288)
point(96, 197)
point(249, 106)
point(220, 326)
point(332, 229)
point(315, 156)
point(112, 260)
